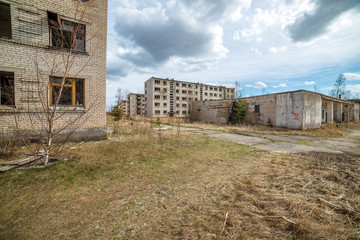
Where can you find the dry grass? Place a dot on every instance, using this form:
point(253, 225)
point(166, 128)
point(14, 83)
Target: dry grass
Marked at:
point(142, 185)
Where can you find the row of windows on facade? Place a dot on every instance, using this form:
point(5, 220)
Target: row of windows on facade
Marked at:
point(189, 85)
point(157, 97)
point(165, 105)
point(71, 92)
point(158, 112)
point(186, 92)
point(64, 34)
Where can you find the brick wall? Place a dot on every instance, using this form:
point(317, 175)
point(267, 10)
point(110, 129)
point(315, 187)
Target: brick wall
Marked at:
point(29, 47)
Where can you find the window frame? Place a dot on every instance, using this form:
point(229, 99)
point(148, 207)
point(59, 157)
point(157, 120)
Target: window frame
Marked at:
point(62, 29)
point(73, 91)
point(8, 5)
point(13, 89)
point(256, 108)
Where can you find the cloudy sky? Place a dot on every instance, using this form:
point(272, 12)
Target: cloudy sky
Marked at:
point(266, 45)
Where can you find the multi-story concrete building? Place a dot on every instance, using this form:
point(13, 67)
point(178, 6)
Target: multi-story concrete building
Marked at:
point(136, 104)
point(35, 38)
point(124, 106)
point(169, 97)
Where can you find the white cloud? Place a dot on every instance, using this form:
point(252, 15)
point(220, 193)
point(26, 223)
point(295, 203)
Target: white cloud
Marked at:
point(277, 50)
point(354, 89)
point(236, 35)
point(309, 83)
point(256, 51)
point(260, 85)
point(352, 76)
point(281, 85)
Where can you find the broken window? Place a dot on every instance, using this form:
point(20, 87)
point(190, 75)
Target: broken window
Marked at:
point(72, 93)
point(157, 81)
point(165, 112)
point(184, 105)
point(257, 109)
point(65, 34)
point(177, 91)
point(183, 85)
point(183, 91)
point(157, 97)
point(164, 90)
point(157, 112)
point(165, 105)
point(157, 89)
point(7, 88)
point(183, 112)
point(177, 84)
point(164, 97)
point(5, 20)
point(164, 82)
point(189, 85)
point(157, 104)
point(184, 98)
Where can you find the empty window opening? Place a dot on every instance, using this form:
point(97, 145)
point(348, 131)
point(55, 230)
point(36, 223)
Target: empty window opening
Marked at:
point(7, 88)
point(257, 109)
point(157, 81)
point(157, 89)
point(5, 20)
point(65, 34)
point(72, 93)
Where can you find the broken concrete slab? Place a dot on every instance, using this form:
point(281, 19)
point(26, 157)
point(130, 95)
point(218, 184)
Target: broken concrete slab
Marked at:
point(275, 137)
point(302, 137)
point(286, 147)
point(237, 138)
point(337, 144)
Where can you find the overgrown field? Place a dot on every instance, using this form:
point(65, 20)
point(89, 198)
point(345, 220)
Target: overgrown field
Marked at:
point(144, 184)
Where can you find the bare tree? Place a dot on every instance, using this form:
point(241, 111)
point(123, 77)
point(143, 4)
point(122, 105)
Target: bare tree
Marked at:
point(339, 90)
point(118, 96)
point(50, 102)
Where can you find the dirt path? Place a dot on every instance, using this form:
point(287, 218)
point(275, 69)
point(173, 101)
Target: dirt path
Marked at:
point(288, 144)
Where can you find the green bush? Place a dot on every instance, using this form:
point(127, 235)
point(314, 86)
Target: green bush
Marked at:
point(239, 112)
point(116, 112)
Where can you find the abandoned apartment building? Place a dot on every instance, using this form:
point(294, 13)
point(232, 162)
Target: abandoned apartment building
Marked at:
point(134, 105)
point(296, 110)
point(169, 97)
point(29, 37)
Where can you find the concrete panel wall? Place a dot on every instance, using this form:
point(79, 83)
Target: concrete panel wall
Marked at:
point(289, 110)
point(267, 109)
point(216, 111)
point(312, 110)
point(356, 112)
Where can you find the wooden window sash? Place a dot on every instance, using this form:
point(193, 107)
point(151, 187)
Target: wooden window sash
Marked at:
point(73, 92)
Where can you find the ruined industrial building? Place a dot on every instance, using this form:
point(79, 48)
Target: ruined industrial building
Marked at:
point(297, 110)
